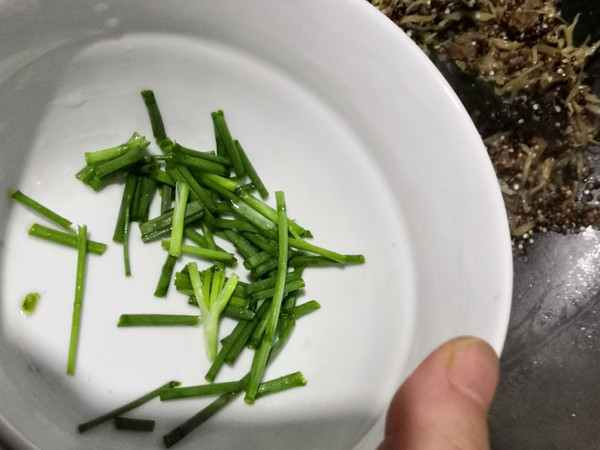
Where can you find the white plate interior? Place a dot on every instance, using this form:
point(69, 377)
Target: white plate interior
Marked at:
point(356, 149)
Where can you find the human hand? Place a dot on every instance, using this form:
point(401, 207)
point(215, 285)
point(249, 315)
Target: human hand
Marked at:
point(444, 403)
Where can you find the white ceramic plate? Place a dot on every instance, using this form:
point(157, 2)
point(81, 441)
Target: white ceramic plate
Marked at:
point(338, 109)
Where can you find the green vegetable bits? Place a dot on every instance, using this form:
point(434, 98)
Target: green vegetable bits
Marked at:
point(207, 202)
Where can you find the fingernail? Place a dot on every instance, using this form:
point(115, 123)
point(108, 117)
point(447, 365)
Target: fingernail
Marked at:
point(473, 368)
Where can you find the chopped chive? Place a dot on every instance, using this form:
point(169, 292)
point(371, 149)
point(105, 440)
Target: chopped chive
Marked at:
point(162, 225)
point(238, 313)
point(144, 193)
point(166, 274)
point(260, 187)
point(131, 424)
point(256, 260)
point(181, 194)
point(209, 156)
point(181, 431)
point(125, 208)
point(182, 174)
point(262, 353)
point(217, 363)
point(98, 175)
point(270, 213)
point(156, 121)
point(127, 407)
point(200, 390)
point(199, 164)
point(240, 343)
point(237, 225)
point(344, 259)
point(289, 286)
point(41, 209)
point(283, 383)
point(232, 151)
point(287, 326)
point(166, 201)
point(242, 245)
point(66, 239)
point(216, 255)
point(303, 309)
point(136, 140)
point(142, 320)
point(79, 281)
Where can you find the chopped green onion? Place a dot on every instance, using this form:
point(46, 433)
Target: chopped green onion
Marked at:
point(228, 144)
point(130, 424)
point(41, 209)
point(142, 320)
point(258, 184)
point(181, 431)
point(79, 281)
point(262, 353)
point(200, 390)
point(127, 407)
point(181, 194)
point(165, 276)
point(66, 239)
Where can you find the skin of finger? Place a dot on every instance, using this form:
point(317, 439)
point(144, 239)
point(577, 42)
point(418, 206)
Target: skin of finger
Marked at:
point(444, 403)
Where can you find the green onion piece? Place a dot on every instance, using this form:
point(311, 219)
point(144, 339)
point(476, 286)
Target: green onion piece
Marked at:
point(268, 283)
point(211, 312)
point(166, 200)
point(344, 259)
point(256, 260)
point(182, 191)
point(260, 187)
point(41, 209)
point(242, 245)
point(162, 225)
point(262, 353)
point(131, 424)
point(283, 383)
point(233, 224)
point(142, 320)
point(98, 175)
point(182, 174)
point(238, 313)
point(66, 239)
point(127, 407)
point(125, 208)
point(200, 390)
point(216, 255)
point(79, 281)
point(270, 213)
point(240, 343)
point(136, 140)
point(232, 151)
point(165, 276)
point(144, 193)
point(220, 358)
point(209, 156)
point(284, 334)
point(181, 431)
point(289, 286)
point(29, 303)
point(303, 309)
point(199, 164)
point(158, 127)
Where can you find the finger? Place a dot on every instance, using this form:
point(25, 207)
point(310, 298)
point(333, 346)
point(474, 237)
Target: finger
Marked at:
point(444, 403)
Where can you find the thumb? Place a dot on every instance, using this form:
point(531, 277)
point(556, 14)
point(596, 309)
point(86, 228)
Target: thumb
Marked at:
point(444, 403)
